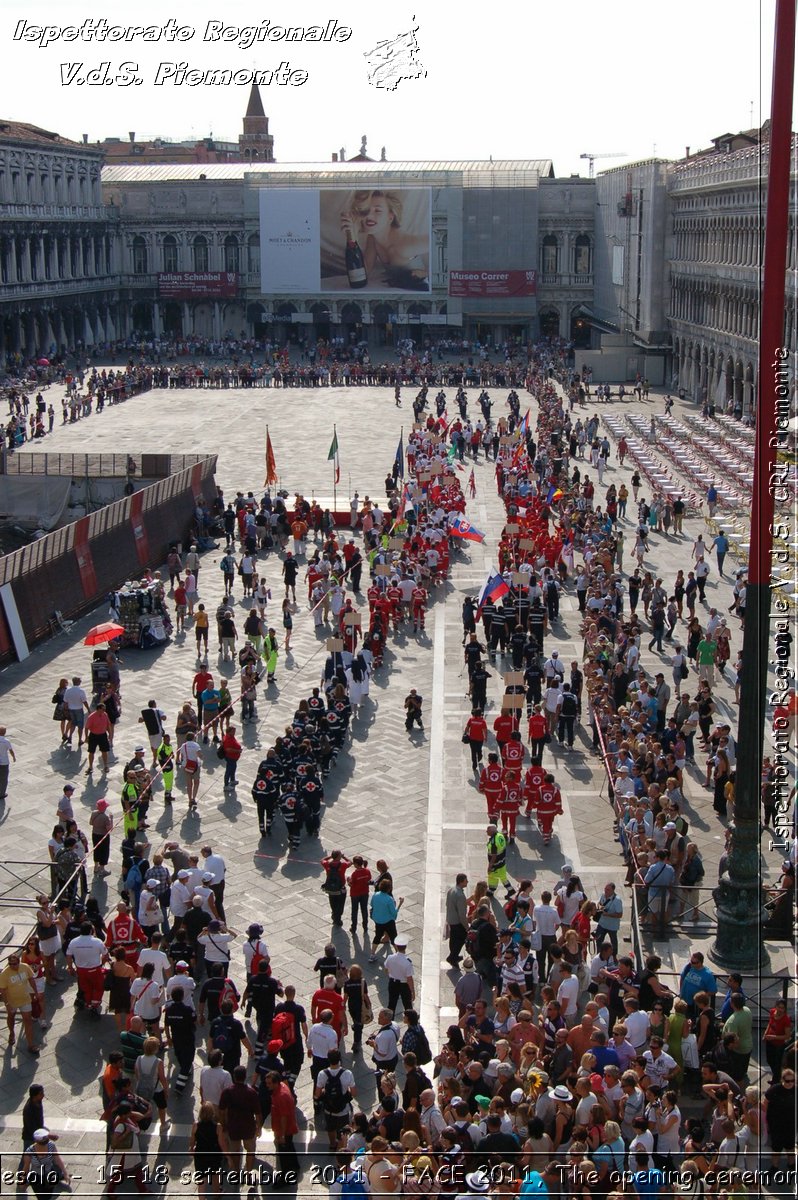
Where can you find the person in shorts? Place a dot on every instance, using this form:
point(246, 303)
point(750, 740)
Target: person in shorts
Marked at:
point(98, 731)
point(76, 703)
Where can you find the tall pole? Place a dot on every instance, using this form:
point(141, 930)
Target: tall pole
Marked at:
point(336, 458)
point(739, 896)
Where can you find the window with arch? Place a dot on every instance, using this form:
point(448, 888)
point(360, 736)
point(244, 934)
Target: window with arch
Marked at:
point(139, 256)
point(253, 254)
point(170, 253)
point(232, 257)
point(550, 255)
point(582, 263)
point(200, 250)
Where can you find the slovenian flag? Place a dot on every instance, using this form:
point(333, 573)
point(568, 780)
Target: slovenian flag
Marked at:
point(554, 494)
point(461, 528)
point(333, 457)
point(494, 588)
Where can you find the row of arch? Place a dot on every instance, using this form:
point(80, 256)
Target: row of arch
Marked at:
point(731, 241)
point(551, 255)
point(715, 373)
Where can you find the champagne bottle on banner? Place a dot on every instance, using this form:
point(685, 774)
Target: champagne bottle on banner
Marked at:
point(355, 265)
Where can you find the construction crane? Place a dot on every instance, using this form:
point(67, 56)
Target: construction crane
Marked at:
point(593, 157)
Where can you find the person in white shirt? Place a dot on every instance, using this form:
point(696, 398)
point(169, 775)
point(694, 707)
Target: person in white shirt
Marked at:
point(322, 1038)
point(214, 1079)
point(76, 703)
point(254, 945)
point(660, 1066)
point(552, 698)
point(337, 1119)
point(637, 1023)
point(149, 914)
point(216, 942)
point(85, 956)
point(180, 895)
point(624, 786)
point(215, 866)
point(205, 892)
point(385, 1042)
point(154, 954)
point(401, 984)
point(432, 1119)
point(568, 994)
point(181, 979)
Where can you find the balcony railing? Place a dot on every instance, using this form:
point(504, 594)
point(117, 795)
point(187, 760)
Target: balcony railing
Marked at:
point(565, 279)
point(82, 212)
point(41, 288)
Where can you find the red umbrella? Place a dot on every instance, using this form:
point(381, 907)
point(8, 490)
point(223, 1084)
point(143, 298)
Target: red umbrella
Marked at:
point(44, 362)
point(103, 633)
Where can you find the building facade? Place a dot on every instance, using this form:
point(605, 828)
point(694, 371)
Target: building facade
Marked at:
point(199, 219)
point(59, 244)
point(717, 206)
point(653, 266)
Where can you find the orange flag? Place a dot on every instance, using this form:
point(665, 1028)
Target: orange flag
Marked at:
point(271, 466)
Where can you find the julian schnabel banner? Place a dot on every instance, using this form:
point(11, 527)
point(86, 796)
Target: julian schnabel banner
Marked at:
point(345, 240)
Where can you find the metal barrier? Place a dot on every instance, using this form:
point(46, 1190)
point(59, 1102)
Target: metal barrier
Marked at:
point(100, 466)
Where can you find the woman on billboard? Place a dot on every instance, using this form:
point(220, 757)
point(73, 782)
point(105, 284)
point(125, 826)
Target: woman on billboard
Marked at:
point(379, 250)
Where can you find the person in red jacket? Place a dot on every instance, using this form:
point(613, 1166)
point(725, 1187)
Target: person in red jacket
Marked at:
point(491, 786)
point(394, 594)
point(513, 752)
point(549, 806)
point(359, 880)
point(533, 779)
point(510, 803)
point(418, 600)
point(328, 998)
point(476, 732)
point(503, 726)
point(538, 728)
point(284, 1128)
point(123, 932)
point(231, 749)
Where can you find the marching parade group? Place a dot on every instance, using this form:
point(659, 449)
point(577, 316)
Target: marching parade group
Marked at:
point(563, 1072)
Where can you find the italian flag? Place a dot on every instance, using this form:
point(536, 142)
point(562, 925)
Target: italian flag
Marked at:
point(333, 457)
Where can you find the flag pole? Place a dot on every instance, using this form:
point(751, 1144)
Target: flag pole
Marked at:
point(335, 464)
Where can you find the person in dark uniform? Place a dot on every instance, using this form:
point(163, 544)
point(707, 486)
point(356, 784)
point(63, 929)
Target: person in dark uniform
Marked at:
point(479, 685)
point(266, 790)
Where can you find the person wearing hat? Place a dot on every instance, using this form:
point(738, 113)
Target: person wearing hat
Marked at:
point(101, 823)
point(42, 1167)
point(215, 941)
point(401, 983)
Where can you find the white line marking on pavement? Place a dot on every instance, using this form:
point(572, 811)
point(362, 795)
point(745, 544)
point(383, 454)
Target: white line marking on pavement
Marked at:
point(433, 866)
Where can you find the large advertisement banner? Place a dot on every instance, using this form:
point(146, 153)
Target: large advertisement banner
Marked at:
point(195, 285)
point(500, 284)
point(345, 240)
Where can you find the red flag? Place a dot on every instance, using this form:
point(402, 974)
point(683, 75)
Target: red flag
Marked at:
point(271, 466)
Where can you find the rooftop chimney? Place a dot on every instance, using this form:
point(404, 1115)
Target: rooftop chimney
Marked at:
point(335, 158)
point(85, 139)
point(132, 137)
point(687, 152)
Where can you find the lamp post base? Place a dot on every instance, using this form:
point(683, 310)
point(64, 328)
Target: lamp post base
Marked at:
point(738, 944)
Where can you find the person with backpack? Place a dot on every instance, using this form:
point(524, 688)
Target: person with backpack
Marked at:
point(216, 988)
point(335, 1089)
point(261, 994)
point(289, 1024)
point(335, 868)
point(385, 1043)
point(567, 711)
point(415, 1041)
point(228, 1035)
point(416, 1082)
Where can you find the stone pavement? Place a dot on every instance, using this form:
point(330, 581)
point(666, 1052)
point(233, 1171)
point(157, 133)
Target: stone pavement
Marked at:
point(412, 801)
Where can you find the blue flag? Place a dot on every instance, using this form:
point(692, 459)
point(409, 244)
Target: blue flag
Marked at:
point(399, 461)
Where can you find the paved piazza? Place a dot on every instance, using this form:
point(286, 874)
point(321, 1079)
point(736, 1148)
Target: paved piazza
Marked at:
point(410, 800)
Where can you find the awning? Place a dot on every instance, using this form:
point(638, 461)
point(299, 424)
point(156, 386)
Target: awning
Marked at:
point(596, 322)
